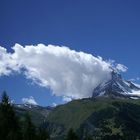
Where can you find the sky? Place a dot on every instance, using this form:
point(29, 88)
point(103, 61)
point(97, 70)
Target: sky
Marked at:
point(109, 29)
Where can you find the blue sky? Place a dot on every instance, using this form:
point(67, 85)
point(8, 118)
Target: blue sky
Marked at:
point(106, 28)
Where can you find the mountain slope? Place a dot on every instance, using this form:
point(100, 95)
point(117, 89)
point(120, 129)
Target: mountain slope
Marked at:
point(38, 114)
point(119, 121)
point(94, 116)
point(117, 87)
point(111, 113)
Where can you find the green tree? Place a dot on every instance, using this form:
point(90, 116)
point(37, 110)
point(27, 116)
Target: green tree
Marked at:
point(9, 124)
point(29, 130)
point(43, 134)
point(71, 135)
point(88, 138)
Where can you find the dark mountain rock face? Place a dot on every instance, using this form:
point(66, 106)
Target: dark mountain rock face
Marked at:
point(117, 87)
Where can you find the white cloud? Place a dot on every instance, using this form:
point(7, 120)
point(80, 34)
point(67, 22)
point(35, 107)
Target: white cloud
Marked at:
point(67, 99)
point(132, 79)
point(135, 79)
point(12, 101)
point(29, 100)
point(121, 68)
point(66, 72)
point(7, 64)
point(54, 104)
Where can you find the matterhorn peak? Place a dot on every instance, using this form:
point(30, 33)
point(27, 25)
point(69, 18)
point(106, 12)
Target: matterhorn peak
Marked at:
point(117, 87)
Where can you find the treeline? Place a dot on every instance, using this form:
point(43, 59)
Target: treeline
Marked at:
point(12, 128)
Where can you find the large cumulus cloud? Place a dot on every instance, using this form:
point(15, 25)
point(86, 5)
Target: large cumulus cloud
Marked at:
point(66, 72)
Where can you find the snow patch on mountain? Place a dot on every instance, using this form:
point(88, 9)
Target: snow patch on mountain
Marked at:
point(117, 87)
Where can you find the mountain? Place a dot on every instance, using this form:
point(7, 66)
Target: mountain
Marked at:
point(38, 113)
point(101, 118)
point(111, 113)
point(117, 87)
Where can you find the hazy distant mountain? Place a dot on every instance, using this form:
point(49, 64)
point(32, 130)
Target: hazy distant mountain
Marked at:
point(38, 113)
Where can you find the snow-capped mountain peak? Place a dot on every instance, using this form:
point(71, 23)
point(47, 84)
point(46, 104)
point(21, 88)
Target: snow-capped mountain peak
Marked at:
point(117, 87)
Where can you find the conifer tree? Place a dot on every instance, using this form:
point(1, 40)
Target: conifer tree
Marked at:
point(9, 125)
point(71, 135)
point(29, 130)
point(43, 134)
